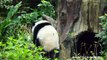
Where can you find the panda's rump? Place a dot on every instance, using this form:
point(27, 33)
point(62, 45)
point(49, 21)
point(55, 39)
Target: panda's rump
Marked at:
point(48, 37)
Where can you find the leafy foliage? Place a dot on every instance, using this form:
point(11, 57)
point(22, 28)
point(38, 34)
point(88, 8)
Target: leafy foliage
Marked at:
point(103, 33)
point(20, 49)
point(13, 10)
point(15, 33)
point(46, 8)
point(5, 3)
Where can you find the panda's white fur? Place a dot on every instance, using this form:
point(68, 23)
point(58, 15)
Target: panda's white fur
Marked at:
point(48, 36)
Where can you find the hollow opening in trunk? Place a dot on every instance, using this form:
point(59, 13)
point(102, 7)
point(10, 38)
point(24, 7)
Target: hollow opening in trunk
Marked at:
point(87, 44)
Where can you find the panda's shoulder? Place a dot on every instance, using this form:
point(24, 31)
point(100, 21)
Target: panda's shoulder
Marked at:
point(39, 24)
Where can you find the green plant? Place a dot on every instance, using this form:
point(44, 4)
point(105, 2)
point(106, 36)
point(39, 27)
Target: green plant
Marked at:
point(5, 3)
point(12, 24)
point(8, 23)
point(103, 34)
point(20, 48)
point(15, 34)
point(45, 7)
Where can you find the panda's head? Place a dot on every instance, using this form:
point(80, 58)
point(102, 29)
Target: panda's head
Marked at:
point(45, 35)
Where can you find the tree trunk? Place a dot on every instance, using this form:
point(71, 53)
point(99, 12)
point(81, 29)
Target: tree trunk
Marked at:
point(88, 20)
point(68, 13)
point(72, 18)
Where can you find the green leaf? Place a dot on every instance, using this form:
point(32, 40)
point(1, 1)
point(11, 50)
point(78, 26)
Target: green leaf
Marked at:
point(56, 51)
point(13, 10)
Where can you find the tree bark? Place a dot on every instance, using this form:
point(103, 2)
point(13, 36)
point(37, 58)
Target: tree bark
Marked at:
point(76, 16)
point(88, 20)
point(68, 13)
point(72, 18)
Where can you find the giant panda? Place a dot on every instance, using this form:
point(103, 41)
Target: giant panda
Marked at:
point(45, 35)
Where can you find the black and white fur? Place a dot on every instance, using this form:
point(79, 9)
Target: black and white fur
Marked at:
point(45, 35)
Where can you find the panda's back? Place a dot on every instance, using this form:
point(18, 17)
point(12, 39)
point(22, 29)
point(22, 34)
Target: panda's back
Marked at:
point(51, 40)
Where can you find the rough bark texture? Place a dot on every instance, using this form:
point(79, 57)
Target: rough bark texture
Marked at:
point(71, 17)
point(68, 13)
point(89, 14)
point(88, 20)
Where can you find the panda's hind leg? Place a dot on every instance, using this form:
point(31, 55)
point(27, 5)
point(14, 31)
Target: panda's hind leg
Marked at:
point(52, 54)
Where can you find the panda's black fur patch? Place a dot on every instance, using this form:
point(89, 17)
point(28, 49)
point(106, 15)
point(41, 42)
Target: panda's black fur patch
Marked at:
point(52, 54)
point(36, 30)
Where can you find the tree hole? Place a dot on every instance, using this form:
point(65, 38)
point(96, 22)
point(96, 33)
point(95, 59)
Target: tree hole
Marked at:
point(87, 44)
